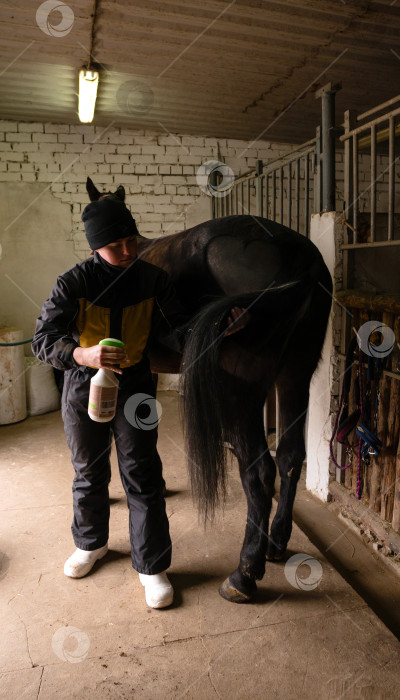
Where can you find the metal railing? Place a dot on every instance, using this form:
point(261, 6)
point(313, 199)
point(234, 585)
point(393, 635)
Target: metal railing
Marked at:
point(371, 210)
point(374, 139)
point(285, 190)
point(282, 189)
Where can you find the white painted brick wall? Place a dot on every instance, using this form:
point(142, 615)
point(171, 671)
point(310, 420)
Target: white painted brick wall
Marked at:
point(158, 171)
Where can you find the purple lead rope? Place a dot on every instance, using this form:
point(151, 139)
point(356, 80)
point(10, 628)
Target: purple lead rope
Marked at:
point(338, 466)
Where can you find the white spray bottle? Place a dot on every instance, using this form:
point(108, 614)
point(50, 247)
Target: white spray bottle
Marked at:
point(104, 387)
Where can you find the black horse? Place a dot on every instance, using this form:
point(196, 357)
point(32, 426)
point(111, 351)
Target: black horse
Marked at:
point(280, 277)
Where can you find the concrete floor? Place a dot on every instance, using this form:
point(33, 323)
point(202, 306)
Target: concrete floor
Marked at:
point(95, 637)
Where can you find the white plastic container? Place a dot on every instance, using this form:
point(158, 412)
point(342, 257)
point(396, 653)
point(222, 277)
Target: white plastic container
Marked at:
point(104, 387)
point(42, 395)
point(12, 377)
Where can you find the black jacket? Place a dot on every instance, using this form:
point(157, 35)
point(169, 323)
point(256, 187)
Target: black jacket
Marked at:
point(96, 300)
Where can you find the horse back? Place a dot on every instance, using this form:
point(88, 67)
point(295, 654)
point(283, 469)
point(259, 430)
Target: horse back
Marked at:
point(230, 256)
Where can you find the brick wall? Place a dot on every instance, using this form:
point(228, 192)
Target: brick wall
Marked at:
point(157, 171)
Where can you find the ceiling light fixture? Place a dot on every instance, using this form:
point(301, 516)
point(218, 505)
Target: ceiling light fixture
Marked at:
point(88, 83)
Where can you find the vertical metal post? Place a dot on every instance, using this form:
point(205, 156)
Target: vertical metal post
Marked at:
point(259, 188)
point(274, 196)
point(391, 180)
point(327, 95)
point(349, 122)
point(317, 172)
point(307, 195)
point(373, 182)
point(290, 195)
point(355, 186)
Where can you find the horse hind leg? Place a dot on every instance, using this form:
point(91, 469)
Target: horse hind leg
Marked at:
point(293, 385)
point(293, 388)
point(257, 473)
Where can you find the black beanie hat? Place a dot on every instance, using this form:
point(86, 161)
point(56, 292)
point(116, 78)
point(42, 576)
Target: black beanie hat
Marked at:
point(106, 221)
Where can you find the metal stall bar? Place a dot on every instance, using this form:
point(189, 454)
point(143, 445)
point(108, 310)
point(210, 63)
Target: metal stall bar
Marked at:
point(373, 182)
point(391, 180)
point(265, 200)
point(307, 193)
point(266, 194)
point(355, 185)
point(274, 196)
point(317, 172)
point(348, 182)
point(378, 108)
point(259, 188)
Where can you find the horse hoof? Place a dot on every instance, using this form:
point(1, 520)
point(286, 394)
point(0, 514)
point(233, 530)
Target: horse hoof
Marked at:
point(275, 557)
point(229, 592)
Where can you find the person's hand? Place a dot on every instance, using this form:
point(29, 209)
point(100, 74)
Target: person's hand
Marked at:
point(102, 356)
point(237, 320)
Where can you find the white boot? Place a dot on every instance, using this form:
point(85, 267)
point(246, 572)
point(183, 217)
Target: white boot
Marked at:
point(158, 590)
point(82, 561)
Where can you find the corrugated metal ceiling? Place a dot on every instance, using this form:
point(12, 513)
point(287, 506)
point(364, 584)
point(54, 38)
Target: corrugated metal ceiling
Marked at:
point(236, 69)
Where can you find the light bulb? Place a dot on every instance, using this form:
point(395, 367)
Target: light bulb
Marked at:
point(88, 83)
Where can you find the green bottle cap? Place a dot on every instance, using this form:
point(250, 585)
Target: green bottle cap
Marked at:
point(112, 341)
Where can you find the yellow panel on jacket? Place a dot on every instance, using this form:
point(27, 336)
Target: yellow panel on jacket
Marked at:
point(93, 324)
point(136, 326)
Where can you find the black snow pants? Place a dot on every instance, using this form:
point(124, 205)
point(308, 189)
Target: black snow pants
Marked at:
point(139, 465)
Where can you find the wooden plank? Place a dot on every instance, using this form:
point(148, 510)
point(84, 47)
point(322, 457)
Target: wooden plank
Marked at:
point(372, 521)
point(362, 299)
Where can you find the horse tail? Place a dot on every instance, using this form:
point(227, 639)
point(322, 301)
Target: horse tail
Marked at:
point(274, 313)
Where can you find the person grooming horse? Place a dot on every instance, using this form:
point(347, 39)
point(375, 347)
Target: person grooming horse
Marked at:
point(113, 293)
